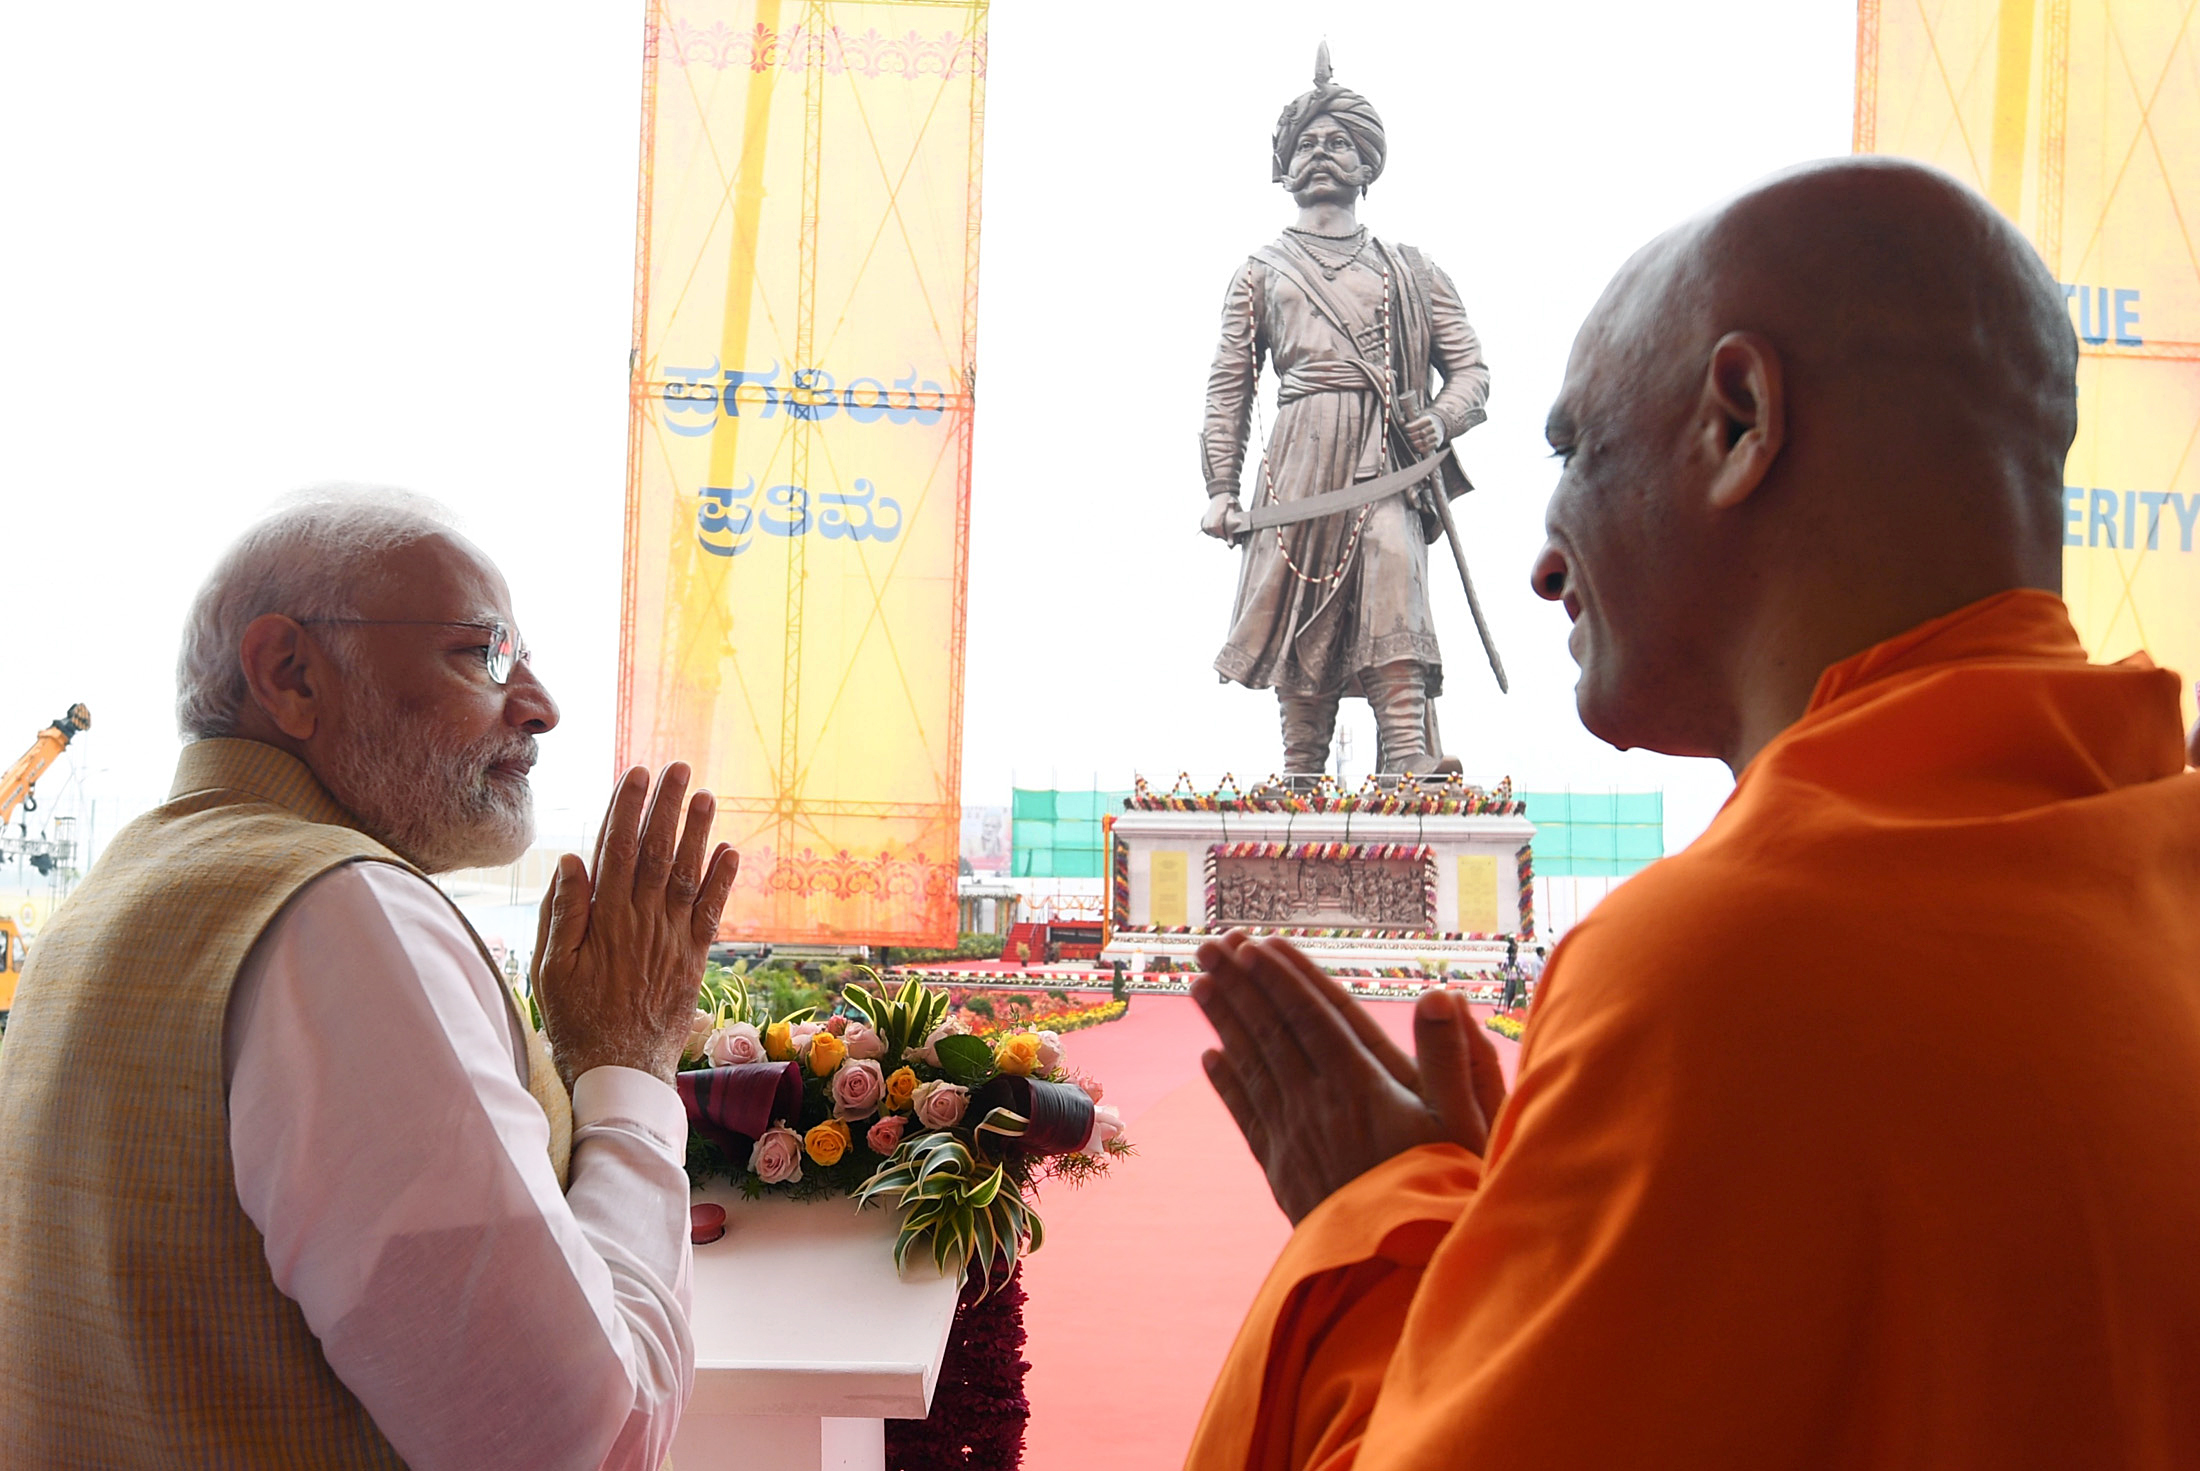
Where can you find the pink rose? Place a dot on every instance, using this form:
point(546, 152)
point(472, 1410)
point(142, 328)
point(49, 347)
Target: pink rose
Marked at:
point(939, 1105)
point(885, 1135)
point(1092, 1088)
point(777, 1157)
point(857, 1087)
point(863, 1042)
point(925, 1054)
point(1050, 1051)
point(1107, 1124)
point(837, 1025)
point(734, 1043)
point(801, 1033)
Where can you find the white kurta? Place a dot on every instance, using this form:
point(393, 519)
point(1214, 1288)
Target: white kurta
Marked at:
point(388, 1149)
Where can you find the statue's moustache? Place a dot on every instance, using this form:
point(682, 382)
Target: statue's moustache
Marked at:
point(1302, 174)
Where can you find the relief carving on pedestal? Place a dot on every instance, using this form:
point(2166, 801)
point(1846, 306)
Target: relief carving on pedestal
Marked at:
point(1371, 886)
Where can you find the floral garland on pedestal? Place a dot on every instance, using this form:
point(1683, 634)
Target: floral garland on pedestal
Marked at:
point(1424, 797)
point(978, 1407)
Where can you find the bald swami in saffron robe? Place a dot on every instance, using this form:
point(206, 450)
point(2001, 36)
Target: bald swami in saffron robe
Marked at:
point(1863, 1133)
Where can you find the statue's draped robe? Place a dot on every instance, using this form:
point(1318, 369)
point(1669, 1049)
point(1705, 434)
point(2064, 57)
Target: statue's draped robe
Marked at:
point(1319, 637)
point(1863, 1133)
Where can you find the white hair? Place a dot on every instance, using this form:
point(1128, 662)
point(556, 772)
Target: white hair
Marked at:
point(311, 559)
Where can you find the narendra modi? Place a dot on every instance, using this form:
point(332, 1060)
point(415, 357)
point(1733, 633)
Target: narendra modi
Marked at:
point(287, 1176)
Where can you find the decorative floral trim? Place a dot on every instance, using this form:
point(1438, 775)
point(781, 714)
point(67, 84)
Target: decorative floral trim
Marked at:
point(1527, 892)
point(1119, 880)
point(1455, 798)
point(1291, 932)
point(948, 55)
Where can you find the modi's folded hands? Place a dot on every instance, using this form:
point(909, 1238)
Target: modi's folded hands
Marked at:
point(623, 941)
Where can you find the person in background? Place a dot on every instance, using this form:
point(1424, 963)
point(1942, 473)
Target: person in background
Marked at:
point(1531, 972)
point(286, 1176)
point(1509, 972)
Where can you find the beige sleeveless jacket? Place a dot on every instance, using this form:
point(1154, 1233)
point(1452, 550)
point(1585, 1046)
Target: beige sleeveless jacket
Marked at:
point(139, 1326)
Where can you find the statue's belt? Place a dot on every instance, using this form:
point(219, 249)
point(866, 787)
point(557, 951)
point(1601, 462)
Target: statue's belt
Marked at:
point(1349, 498)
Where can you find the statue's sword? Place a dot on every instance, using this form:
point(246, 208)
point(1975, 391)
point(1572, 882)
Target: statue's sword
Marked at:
point(1466, 580)
point(1367, 492)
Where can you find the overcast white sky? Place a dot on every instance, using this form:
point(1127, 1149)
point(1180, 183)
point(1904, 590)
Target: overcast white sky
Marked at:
point(246, 247)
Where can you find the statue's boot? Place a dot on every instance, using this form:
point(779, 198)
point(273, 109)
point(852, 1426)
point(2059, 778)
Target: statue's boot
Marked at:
point(1398, 692)
point(1308, 723)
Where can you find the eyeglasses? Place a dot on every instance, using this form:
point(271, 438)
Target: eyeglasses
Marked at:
point(499, 654)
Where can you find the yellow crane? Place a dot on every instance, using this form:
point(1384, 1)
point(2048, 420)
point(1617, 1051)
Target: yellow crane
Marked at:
point(18, 793)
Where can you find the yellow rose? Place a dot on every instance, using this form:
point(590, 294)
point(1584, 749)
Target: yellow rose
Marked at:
point(779, 1041)
point(828, 1141)
point(827, 1052)
point(1018, 1057)
point(899, 1087)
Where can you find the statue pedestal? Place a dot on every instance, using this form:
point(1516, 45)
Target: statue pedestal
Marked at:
point(1414, 893)
point(806, 1339)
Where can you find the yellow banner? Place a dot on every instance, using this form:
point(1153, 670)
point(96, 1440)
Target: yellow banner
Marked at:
point(799, 446)
point(2080, 119)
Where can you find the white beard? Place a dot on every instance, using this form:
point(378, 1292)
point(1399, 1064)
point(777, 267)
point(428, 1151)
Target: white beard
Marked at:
point(436, 806)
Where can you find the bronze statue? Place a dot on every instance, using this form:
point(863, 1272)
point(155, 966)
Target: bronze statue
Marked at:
point(1355, 479)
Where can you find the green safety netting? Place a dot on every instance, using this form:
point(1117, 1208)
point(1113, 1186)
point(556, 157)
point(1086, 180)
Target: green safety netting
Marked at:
point(1056, 834)
point(1596, 833)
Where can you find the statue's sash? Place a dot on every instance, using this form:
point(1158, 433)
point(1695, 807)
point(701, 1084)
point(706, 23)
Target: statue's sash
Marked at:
point(1410, 310)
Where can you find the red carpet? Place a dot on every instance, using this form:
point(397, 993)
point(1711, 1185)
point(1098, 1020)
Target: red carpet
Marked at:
point(1146, 1275)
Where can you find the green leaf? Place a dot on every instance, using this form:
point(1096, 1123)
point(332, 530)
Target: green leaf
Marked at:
point(987, 1242)
point(943, 1184)
point(965, 1060)
point(909, 1237)
point(1006, 1122)
point(981, 1195)
point(942, 1151)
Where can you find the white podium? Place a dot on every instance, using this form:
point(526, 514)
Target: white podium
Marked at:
point(806, 1341)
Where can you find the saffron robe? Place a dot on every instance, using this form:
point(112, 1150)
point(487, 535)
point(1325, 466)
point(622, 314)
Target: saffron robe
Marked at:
point(1865, 1132)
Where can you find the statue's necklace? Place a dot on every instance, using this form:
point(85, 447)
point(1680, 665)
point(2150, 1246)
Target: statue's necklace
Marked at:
point(1331, 272)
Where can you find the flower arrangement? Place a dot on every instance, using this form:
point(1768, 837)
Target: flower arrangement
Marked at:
point(892, 1100)
point(1507, 1024)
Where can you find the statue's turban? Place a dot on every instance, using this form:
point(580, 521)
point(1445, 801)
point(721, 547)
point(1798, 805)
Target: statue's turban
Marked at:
point(1355, 113)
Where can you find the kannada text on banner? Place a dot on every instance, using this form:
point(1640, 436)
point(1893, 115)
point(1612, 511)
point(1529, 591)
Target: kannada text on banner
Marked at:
point(799, 447)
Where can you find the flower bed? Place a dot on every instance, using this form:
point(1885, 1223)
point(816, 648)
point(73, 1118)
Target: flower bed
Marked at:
point(1509, 1024)
point(985, 1013)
